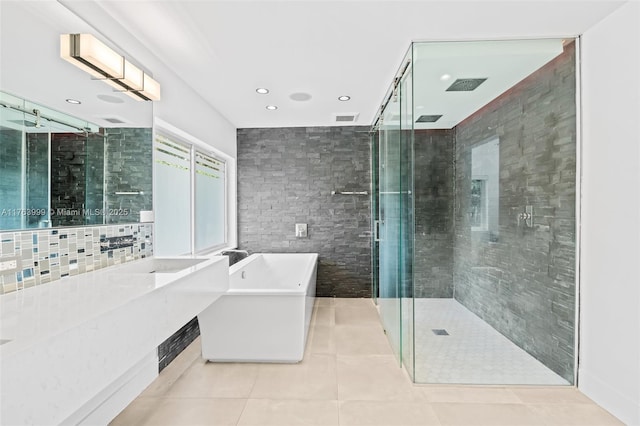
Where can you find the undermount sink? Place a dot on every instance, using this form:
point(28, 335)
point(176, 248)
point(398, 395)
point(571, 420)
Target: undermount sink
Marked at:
point(159, 265)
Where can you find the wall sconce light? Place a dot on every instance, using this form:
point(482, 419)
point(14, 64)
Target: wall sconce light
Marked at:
point(91, 55)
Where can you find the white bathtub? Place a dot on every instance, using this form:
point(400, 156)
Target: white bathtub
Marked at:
point(265, 314)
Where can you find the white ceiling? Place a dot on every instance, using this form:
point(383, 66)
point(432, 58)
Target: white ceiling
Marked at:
point(31, 68)
point(502, 63)
point(226, 49)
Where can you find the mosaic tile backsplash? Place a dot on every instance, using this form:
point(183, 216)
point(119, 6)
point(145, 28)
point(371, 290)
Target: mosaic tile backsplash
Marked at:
point(46, 255)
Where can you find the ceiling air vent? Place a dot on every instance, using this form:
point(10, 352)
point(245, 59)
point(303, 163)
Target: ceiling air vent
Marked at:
point(465, 84)
point(346, 118)
point(114, 120)
point(428, 118)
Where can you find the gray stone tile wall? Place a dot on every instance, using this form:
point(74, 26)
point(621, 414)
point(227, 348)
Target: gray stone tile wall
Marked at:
point(68, 178)
point(521, 280)
point(10, 177)
point(433, 204)
point(177, 342)
point(285, 176)
point(94, 197)
point(37, 178)
point(128, 150)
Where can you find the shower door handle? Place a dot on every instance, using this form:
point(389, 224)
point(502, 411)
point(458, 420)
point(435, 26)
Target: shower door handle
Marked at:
point(376, 230)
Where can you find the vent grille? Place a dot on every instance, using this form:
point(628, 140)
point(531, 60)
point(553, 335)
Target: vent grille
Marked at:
point(428, 118)
point(114, 120)
point(346, 118)
point(466, 84)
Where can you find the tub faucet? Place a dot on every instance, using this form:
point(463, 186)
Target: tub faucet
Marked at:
point(235, 255)
point(246, 253)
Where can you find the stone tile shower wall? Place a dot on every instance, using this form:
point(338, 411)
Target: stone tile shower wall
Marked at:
point(37, 166)
point(71, 165)
point(49, 254)
point(433, 204)
point(128, 149)
point(285, 176)
point(11, 161)
point(521, 280)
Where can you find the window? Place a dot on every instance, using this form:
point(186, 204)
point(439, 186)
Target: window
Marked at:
point(209, 202)
point(172, 196)
point(191, 194)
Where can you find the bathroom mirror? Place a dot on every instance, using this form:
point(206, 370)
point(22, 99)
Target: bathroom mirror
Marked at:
point(73, 151)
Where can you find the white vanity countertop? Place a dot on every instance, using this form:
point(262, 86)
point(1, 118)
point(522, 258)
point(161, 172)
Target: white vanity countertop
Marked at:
point(31, 315)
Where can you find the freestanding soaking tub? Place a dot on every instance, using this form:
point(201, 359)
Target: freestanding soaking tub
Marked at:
point(265, 314)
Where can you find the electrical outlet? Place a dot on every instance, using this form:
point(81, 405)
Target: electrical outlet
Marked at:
point(8, 265)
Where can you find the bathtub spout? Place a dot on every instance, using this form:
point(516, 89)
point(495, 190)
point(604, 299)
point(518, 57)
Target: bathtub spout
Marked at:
point(246, 253)
point(235, 256)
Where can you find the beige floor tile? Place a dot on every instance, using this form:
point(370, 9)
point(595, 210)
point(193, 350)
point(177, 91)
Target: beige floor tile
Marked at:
point(321, 340)
point(266, 412)
point(537, 395)
point(324, 316)
point(361, 340)
point(350, 315)
point(174, 370)
point(348, 375)
point(324, 301)
point(353, 302)
point(574, 414)
point(137, 412)
point(487, 414)
point(216, 380)
point(373, 377)
point(196, 411)
point(383, 413)
point(468, 394)
point(315, 378)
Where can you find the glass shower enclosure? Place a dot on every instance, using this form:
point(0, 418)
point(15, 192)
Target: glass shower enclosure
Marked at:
point(474, 208)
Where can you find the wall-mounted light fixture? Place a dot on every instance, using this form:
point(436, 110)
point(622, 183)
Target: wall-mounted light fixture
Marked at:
point(91, 55)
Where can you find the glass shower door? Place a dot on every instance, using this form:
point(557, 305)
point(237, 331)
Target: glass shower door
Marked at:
point(395, 216)
point(375, 214)
point(389, 226)
point(406, 236)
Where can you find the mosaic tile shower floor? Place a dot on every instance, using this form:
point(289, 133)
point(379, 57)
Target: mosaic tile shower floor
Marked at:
point(472, 352)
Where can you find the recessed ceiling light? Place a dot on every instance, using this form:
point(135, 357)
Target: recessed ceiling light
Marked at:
point(74, 101)
point(262, 90)
point(344, 98)
point(445, 77)
point(271, 107)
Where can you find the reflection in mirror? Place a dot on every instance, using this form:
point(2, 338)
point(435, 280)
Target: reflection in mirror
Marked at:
point(57, 170)
point(86, 162)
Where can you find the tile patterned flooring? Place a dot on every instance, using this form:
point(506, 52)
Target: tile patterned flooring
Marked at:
point(473, 352)
point(349, 376)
